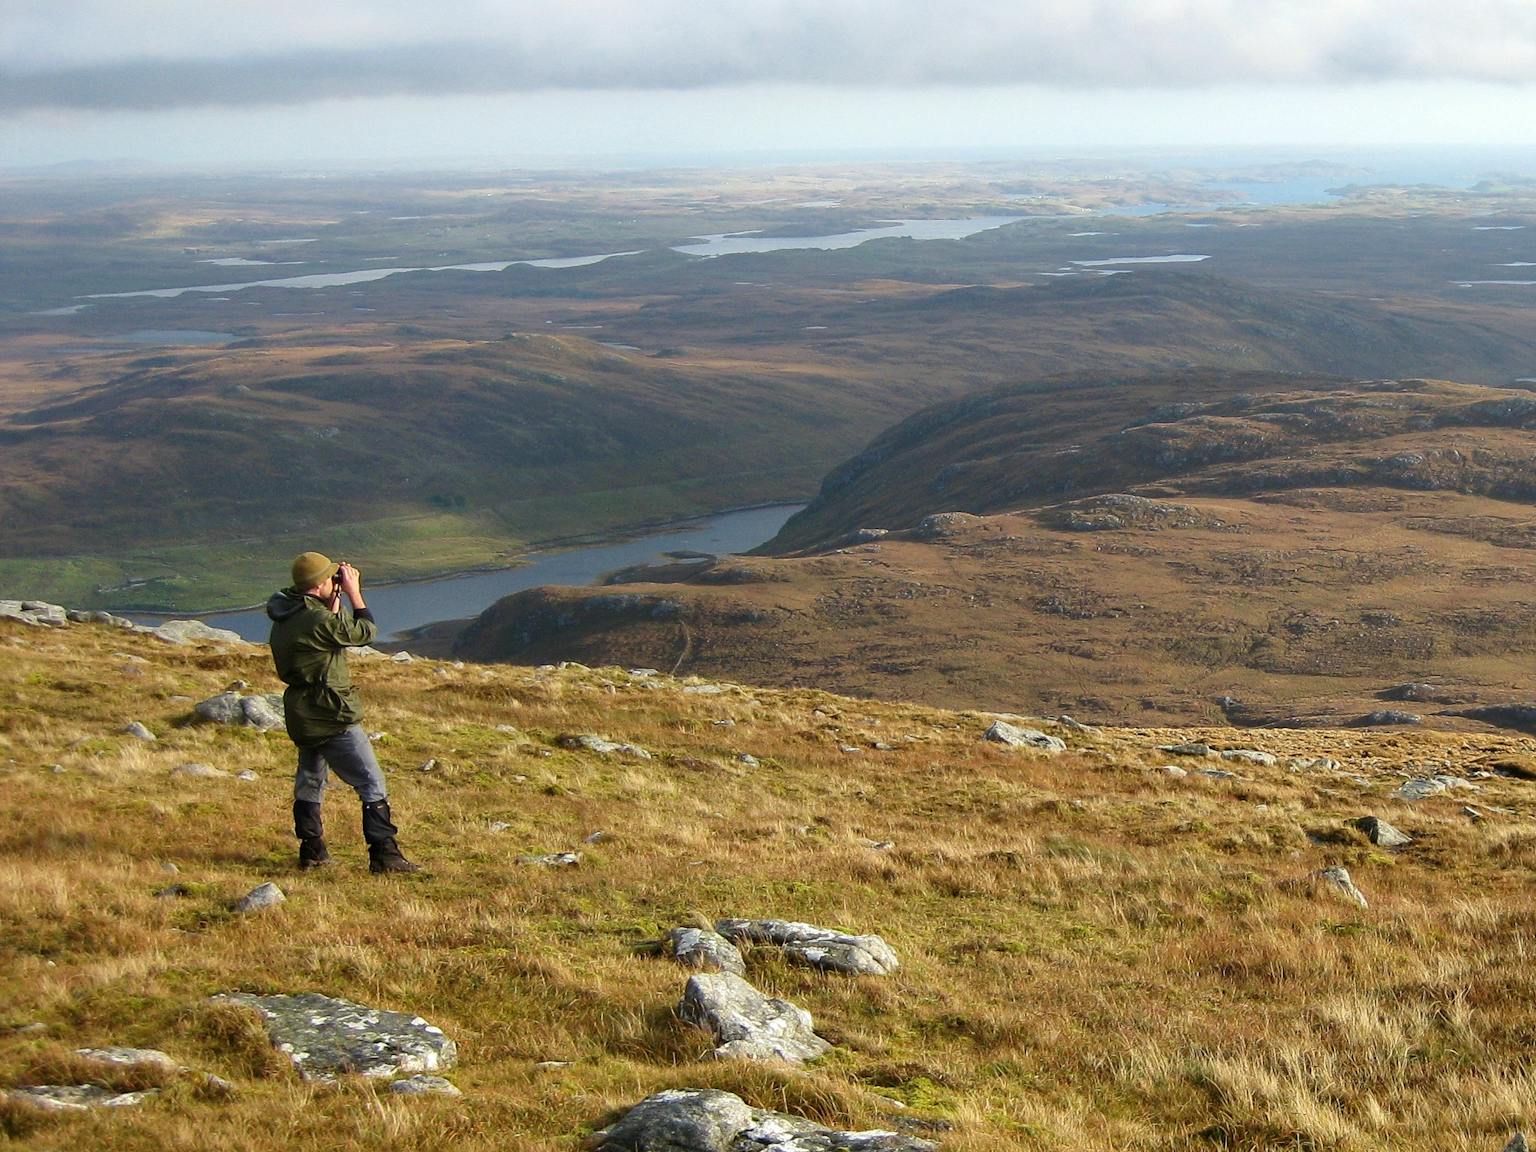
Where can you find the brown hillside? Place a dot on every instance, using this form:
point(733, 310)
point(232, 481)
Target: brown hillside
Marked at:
point(1269, 550)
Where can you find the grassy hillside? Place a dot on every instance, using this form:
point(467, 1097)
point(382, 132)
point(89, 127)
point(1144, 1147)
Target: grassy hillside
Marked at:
point(1096, 952)
point(1253, 549)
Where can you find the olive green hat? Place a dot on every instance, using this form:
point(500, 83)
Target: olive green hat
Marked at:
point(310, 568)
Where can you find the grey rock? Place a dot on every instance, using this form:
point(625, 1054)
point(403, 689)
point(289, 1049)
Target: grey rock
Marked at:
point(553, 859)
point(1424, 786)
point(1387, 716)
point(1191, 749)
point(748, 759)
point(1216, 773)
point(1338, 880)
point(131, 1057)
point(1517, 1143)
point(1417, 692)
point(1005, 733)
point(701, 948)
point(1251, 756)
point(246, 774)
point(702, 689)
point(262, 896)
point(327, 1037)
point(37, 613)
point(816, 947)
point(75, 1097)
point(402, 658)
point(198, 771)
point(1312, 764)
point(942, 525)
point(79, 617)
point(1175, 771)
point(424, 1086)
point(602, 746)
point(746, 1024)
point(192, 632)
point(1382, 834)
point(708, 1120)
point(262, 712)
point(138, 731)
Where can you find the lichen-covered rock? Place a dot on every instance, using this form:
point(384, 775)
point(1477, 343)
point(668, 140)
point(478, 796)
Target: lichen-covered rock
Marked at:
point(424, 1086)
point(138, 731)
point(705, 949)
point(1004, 733)
point(816, 947)
point(327, 1037)
point(708, 1120)
point(263, 712)
point(603, 747)
point(1251, 756)
point(746, 1024)
point(192, 631)
point(1421, 787)
point(75, 1097)
point(131, 1057)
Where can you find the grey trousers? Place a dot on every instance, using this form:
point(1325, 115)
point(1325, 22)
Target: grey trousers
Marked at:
point(351, 756)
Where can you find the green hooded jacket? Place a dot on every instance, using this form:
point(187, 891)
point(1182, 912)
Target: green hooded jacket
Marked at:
point(309, 648)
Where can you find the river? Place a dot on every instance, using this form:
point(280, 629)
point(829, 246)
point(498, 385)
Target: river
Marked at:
point(400, 608)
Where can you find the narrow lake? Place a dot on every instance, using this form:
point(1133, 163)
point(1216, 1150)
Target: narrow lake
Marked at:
point(401, 607)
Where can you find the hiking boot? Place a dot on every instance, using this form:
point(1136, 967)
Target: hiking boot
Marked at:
point(311, 833)
point(312, 853)
point(385, 856)
point(379, 830)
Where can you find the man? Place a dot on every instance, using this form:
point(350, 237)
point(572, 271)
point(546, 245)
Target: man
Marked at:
point(311, 632)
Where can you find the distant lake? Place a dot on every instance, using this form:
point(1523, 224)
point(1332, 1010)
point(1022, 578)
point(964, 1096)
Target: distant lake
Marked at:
point(402, 607)
point(1176, 258)
point(337, 279)
point(735, 243)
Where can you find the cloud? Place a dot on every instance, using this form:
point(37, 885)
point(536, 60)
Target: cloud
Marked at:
point(162, 54)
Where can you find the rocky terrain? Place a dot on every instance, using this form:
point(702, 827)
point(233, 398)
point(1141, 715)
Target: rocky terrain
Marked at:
point(706, 917)
point(1251, 549)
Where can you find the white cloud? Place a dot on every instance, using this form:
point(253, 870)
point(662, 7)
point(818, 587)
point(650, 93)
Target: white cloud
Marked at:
point(157, 54)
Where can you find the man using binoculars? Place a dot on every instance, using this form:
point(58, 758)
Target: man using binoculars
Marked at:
point(314, 622)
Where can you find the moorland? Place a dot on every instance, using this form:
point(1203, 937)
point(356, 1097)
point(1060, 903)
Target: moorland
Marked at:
point(159, 449)
point(1117, 945)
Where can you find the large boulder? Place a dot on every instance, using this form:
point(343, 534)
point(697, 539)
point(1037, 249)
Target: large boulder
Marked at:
point(708, 1120)
point(1002, 732)
point(705, 949)
point(326, 1037)
point(192, 632)
point(816, 947)
point(746, 1024)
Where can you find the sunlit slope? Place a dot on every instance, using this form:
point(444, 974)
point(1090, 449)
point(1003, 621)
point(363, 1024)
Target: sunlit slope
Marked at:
point(1263, 549)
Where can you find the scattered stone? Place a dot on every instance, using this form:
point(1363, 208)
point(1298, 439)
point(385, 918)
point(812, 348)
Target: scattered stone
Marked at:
point(263, 896)
point(173, 892)
point(1382, 834)
point(1216, 773)
point(138, 732)
point(1471, 813)
point(1517, 1143)
point(402, 658)
point(602, 746)
point(1312, 764)
point(191, 632)
point(553, 859)
point(553, 1064)
point(499, 826)
point(709, 1120)
point(1421, 787)
point(131, 1057)
point(704, 948)
point(75, 1097)
point(1338, 880)
point(882, 746)
point(1388, 716)
point(326, 1037)
point(816, 947)
point(748, 759)
point(643, 673)
point(424, 1086)
point(1185, 749)
point(596, 838)
point(34, 612)
point(1175, 771)
point(263, 712)
point(1251, 756)
point(198, 771)
point(169, 868)
point(702, 689)
point(246, 774)
point(1416, 692)
point(848, 749)
point(877, 845)
point(941, 525)
point(92, 617)
point(428, 766)
point(746, 1024)
point(1005, 733)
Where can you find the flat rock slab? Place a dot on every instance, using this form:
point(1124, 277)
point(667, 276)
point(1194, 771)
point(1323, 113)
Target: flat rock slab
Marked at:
point(1382, 834)
point(708, 1120)
point(602, 746)
point(131, 1057)
point(816, 947)
point(326, 1037)
point(706, 950)
point(1002, 732)
point(746, 1024)
point(75, 1097)
point(425, 1086)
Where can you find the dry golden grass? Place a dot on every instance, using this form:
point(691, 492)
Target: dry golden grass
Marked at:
point(1096, 954)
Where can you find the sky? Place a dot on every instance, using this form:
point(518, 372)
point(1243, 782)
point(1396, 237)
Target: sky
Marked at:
point(261, 83)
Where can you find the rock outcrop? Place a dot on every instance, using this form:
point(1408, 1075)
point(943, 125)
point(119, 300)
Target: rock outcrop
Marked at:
point(746, 1024)
point(816, 947)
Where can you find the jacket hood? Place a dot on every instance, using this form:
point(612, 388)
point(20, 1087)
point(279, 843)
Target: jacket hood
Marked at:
point(281, 605)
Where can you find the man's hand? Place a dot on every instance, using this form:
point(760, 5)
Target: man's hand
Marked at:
point(351, 584)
